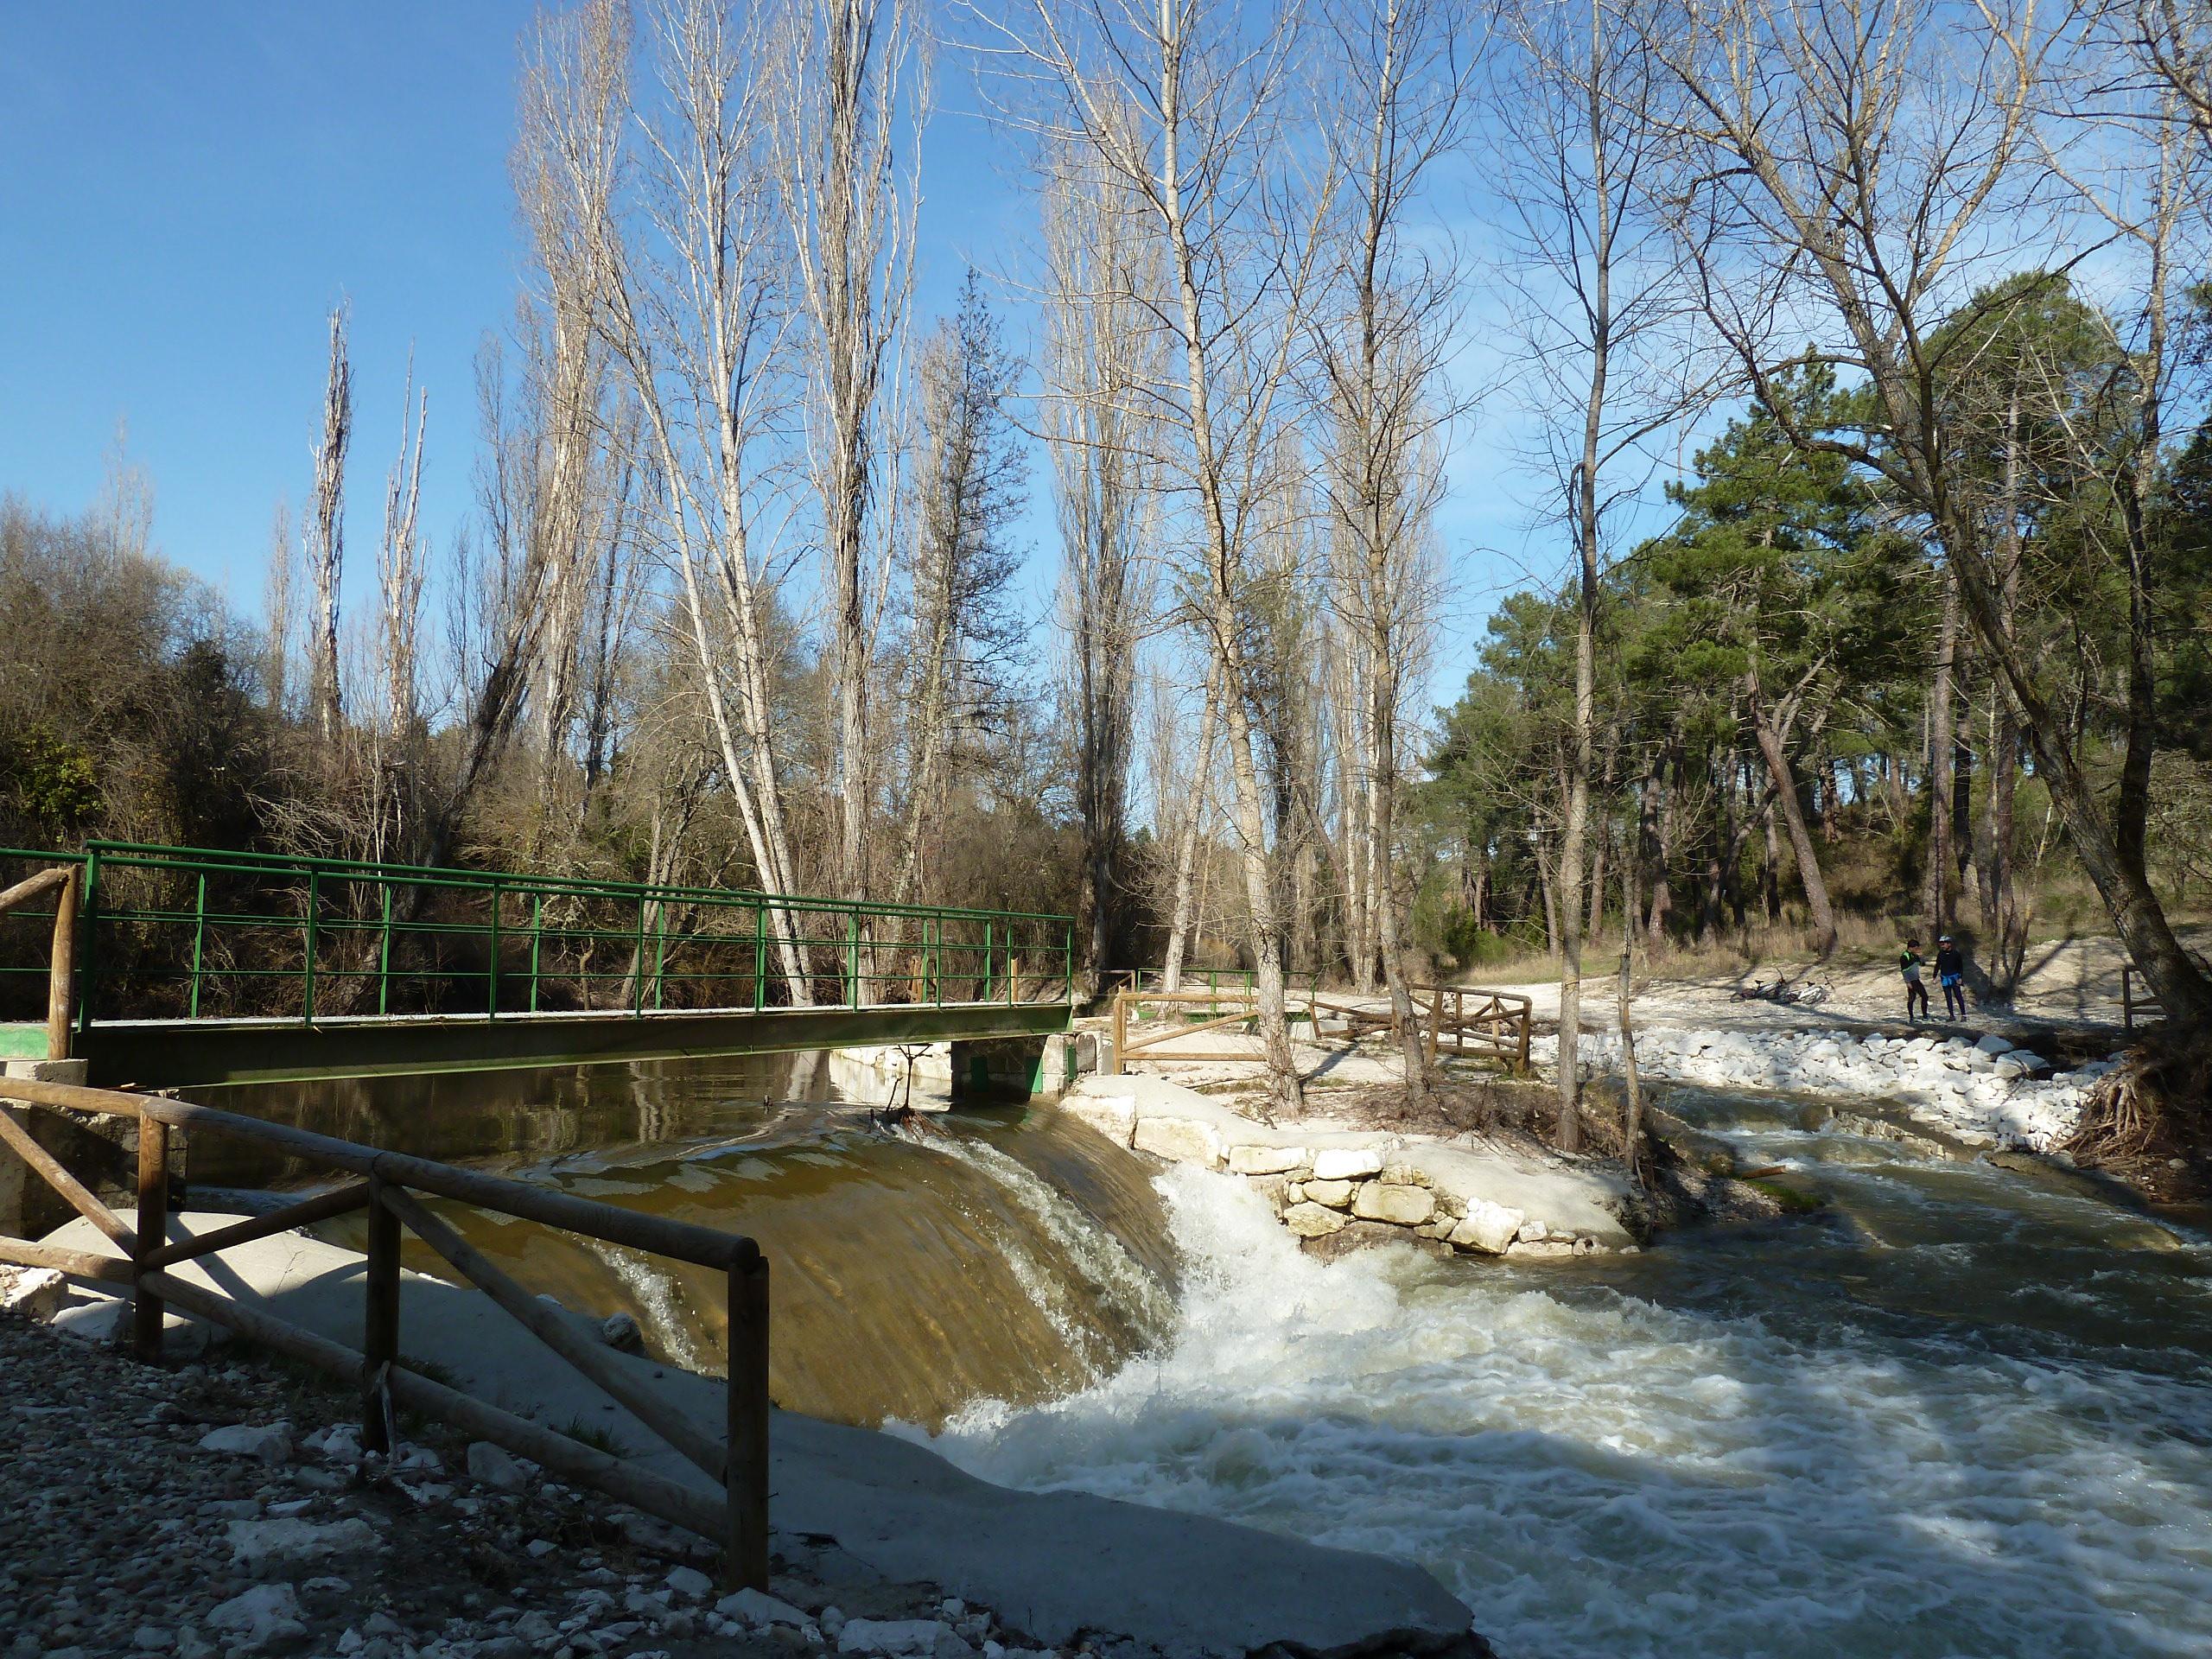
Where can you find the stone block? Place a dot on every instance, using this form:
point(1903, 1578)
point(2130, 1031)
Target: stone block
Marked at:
point(1490, 1228)
point(1347, 1163)
point(1335, 1194)
point(1179, 1139)
point(1312, 1220)
point(1402, 1206)
point(1114, 1116)
point(1265, 1160)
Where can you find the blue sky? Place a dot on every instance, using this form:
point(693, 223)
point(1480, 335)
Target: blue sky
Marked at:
point(187, 189)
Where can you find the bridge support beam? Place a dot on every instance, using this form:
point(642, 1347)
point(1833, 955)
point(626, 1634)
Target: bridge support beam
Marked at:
point(1022, 1068)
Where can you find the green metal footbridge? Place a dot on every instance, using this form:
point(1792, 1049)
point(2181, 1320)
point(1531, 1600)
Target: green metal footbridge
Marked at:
point(161, 967)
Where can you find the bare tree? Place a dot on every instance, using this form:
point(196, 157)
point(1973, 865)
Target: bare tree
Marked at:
point(1190, 828)
point(326, 538)
point(690, 298)
point(851, 87)
point(278, 600)
point(1186, 107)
point(1404, 69)
point(1603, 305)
point(1100, 360)
point(396, 773)
point(1864, 162)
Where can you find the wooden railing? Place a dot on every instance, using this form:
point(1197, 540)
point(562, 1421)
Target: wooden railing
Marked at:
point(62, 881)
point(386, 1184)
point(1205, 1005)
point(1496, 1026)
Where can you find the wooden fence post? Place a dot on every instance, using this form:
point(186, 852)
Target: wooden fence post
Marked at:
point(745, 1470)
point(153, 1232)
point(61, 980)
point(380, 1320)
point(1121, 1030)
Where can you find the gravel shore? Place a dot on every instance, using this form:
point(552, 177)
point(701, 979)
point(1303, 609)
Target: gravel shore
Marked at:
point(226, 1507)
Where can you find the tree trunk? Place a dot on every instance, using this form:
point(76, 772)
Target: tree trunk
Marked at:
point(1939, 904)
point(1793, 818)
point(1186, 850)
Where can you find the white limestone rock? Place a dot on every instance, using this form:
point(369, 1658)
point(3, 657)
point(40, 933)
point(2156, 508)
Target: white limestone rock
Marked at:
point(271, 1443)
point(257, 1619)
point(1490, 1228)
point(1266, 1160)
point(491, 1465)
point(1336, 1194)
point(1402, 1206)
point(256, 1545)
point(1347, 1163)
point(892, 1635)
point(1114, 1116)
point(755, 1611)
point(1179, 1139)
point(1313, 1220)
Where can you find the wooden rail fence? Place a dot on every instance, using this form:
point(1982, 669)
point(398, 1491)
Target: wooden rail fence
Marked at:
point(1496, 1026)
point(386, 1185)
point(62, 881)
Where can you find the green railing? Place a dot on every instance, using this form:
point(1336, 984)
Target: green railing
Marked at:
point(186, 933)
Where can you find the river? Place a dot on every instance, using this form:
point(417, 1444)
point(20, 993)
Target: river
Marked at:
point(1963, 1412)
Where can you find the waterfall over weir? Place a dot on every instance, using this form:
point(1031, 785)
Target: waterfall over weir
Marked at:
point(995, 1253)
point(1962, 1413)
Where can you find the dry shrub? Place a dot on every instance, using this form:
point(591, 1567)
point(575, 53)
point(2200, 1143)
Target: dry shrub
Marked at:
point(2149, 1122)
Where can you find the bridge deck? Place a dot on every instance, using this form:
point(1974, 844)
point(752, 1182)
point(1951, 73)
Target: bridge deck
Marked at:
point(172, 1053)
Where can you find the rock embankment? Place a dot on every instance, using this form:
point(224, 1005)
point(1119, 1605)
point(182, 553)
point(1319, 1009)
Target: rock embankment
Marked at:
point(1985, 1093)
point(224, 1508)
point(1325, 1181)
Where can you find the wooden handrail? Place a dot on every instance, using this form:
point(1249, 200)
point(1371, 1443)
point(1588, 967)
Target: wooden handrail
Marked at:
point(1498, 1025)
point(61, 970)
point(387, 1186)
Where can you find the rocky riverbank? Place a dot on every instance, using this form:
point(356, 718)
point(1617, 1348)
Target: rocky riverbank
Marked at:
point(1985, 1092)
point(227, 1507)
point(1333, 1183)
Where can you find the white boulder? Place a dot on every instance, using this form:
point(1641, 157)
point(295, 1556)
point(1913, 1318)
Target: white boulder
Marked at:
point(266, 1614)
point(1402, 1206)
point(1347, 1163)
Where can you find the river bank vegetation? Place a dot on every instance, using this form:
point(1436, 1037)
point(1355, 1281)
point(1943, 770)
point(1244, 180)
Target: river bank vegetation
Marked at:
point(1856, 355)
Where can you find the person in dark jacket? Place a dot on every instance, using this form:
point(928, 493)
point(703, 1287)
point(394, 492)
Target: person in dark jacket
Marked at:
point(1916, 993)
point(1951, 970)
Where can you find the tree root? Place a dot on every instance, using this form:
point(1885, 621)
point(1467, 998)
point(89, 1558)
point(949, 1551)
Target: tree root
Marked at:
point(2149, 1122)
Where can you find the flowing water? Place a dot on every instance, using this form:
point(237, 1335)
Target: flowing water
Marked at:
point(1963, 1413)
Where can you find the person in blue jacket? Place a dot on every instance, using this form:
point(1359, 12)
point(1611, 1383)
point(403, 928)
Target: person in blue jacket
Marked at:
point(1951, 971)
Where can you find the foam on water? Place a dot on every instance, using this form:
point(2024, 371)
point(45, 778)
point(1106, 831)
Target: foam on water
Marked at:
point(1595, 1473)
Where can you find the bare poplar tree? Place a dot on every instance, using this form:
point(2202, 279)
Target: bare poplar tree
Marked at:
point(851, 89)
point(279, 600)
point(1402, 70)
point(1866, 162)
point(1186, 107)
point(1602, 306)
point(690, 298)
point(395, 774)
point(1100, 361)
point(326, 538)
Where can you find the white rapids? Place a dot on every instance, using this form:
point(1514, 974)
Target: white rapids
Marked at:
point(1599, 1472)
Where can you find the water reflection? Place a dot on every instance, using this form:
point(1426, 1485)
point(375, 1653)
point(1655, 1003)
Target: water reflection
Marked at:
point(914, 1269)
